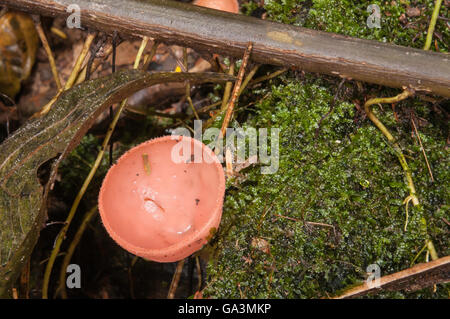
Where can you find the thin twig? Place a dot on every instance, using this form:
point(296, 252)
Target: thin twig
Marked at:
point(130, 276)
point(149, 57)
point(175, 279)
point(247, 82)
point(188, 85)
point(73, 76)
point(59, 33)
point(229, 163)
point(434, 16)
point(445, 221)
point(199, 272)
point(398, 151)
point(269, 76)
point(111, 109)
point(236, 89)
point(76, 69)
point(418, 254)
point(309, 223)
point(108, 49)
point(248, 78)
point(93, 53)
point(177, 59)
point(228, 87)
point(73, 245)
point(333, 103)
point(423, 149)
point(49, 52)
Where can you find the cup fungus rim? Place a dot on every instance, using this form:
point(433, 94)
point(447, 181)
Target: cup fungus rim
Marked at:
point(234, 4)
point(196, 237)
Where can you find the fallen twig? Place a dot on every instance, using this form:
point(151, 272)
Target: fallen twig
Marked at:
point(175, 280)
point(227, 34)
point(49, 52)
point(432, 25)
point(418, 277)
point(236, 89)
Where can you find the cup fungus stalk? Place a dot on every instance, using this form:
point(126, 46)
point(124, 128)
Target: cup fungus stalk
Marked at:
point(91, 174)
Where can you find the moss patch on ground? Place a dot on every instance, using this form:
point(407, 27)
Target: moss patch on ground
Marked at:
point(335, 206)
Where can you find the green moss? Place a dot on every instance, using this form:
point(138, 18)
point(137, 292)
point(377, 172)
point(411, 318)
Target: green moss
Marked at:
point(347, 178)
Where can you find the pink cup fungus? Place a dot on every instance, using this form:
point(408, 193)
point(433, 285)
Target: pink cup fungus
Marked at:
point(163, 199)
point(223, 5)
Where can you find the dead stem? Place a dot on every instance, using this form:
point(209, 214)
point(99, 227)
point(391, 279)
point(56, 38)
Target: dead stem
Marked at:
point(228, 87)
point(73, 245)
point(73, 76)
point(76, 69)
point(93, 53)
point(248, 78)
point(49, 52)
point(175, 279)
point(108, 49)
point(149, 57)
point(188, 85)
point(398, 151)
point(423, 149)
point(269, 76)
point(236, 89)
point(58, 33)
point(432, 25)
point(199, 272)
point(130, 276)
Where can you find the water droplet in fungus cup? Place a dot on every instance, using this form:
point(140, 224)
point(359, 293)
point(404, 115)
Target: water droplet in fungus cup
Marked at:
point(155, 216)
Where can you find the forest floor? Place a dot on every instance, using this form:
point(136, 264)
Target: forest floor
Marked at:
point(336, 203)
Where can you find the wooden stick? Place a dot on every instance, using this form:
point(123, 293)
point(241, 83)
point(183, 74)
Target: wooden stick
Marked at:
point(175, 279)
point(434, 16)
point(236, 89)
point(49, 52)
point(209, 30)
point(418, 277)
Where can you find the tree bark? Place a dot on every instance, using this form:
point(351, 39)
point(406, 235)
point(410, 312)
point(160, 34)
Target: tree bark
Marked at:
point(273, 43)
